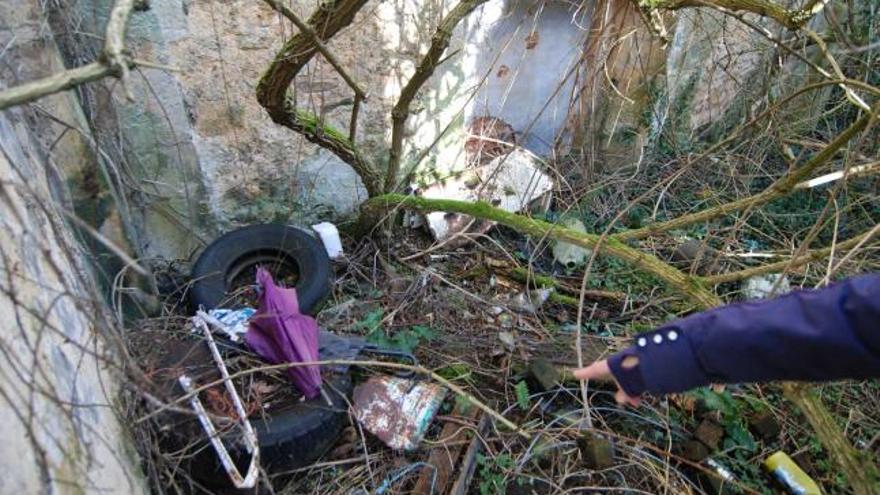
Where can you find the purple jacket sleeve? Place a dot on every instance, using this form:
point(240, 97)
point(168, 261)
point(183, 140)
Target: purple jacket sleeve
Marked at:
point(810, 335)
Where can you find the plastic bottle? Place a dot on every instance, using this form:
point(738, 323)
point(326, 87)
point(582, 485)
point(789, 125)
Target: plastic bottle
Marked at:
point(791, 475)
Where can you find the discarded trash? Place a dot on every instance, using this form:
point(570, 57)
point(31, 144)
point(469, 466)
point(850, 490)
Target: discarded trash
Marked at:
point(249, 437)
point(398, 411)
point(530, 301)
point(232, 322)
point(511, 182)
point(279, 333)
point(571, 255)
point(791, 475)
point(722, 482)
point(329, 235)
point(761, 286)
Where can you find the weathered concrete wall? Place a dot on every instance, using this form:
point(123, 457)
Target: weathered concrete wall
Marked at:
point(57, 400)
point(529, 54)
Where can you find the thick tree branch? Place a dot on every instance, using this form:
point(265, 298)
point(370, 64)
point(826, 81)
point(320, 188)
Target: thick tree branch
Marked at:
point(779, 188)
point(675, 279)
point(321, 47)
point(439, 44)
point(272, 89)
point(112, 62)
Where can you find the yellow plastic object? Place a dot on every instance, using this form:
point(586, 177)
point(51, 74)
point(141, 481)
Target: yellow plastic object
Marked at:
point(791, 475)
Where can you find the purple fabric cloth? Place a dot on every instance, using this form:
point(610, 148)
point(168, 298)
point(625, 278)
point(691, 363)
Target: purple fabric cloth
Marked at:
point(279, 333)
point(810, 335)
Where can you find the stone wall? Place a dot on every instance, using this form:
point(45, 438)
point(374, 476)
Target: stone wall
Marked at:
point(58, 395)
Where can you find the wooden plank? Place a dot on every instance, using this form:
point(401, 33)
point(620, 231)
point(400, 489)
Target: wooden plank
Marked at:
point(444, 458)
point(469, 463)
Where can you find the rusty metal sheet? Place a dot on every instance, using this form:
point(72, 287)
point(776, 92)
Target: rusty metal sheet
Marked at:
point(397, 410)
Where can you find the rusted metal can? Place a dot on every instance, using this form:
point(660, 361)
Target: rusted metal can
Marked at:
point(398, 411)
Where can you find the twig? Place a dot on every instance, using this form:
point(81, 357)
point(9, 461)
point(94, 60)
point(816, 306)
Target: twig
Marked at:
point(112, 62)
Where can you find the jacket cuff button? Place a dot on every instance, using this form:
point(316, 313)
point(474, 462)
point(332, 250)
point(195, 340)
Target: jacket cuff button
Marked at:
point(658, 338)
point(672, 335)
point(642, 342)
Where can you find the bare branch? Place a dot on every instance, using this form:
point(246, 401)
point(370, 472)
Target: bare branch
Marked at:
point(792, 19)
point(439, 44)
point(302, 26)
point(112, 62)
point(815, 255)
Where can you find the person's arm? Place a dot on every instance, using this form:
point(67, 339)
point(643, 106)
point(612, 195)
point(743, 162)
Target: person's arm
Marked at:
point(816, 335)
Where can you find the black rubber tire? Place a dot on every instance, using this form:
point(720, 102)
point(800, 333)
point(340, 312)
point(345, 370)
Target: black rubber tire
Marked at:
point(301, 435)
point(246, 247)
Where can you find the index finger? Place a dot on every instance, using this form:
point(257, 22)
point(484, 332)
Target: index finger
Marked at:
point(597, 370)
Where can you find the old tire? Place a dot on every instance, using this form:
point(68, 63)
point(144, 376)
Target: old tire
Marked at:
point(299, 436)
point(238, 253)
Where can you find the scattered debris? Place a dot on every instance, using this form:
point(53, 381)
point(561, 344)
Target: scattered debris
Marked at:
point(722, 483)
point(791, 475)
point(279, 333)
point(598, 452)
point(489, 137)
point(397, 411)
point(530, 301)
point(329, 235)
point(510, 182)
point(232, 322)
point(508, 340)
point(249, 436)
point(571, 255)
point(469, 462)
point(761, 286)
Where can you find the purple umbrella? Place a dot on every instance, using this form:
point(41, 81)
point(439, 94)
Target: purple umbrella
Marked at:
point(279, 333)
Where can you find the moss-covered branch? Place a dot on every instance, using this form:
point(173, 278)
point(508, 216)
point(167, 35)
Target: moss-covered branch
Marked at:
point(778, 189)
point(439, 44)
point(675, 279)
point(272, 89)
